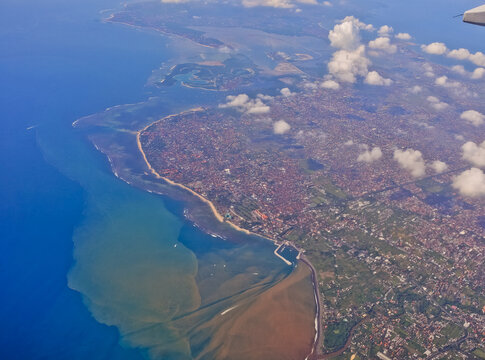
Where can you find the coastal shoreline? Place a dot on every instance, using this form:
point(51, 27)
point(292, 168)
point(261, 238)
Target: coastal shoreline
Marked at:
point(318, 328)
point(211, 205)
point(110, 19)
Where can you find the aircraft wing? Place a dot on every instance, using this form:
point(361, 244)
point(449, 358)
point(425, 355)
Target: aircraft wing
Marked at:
point(475, 16)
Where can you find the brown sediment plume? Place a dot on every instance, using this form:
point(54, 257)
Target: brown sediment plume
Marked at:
point(274, 325)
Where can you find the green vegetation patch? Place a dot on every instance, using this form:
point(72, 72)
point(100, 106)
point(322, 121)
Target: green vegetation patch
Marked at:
point(336, 334)
point(479, 353)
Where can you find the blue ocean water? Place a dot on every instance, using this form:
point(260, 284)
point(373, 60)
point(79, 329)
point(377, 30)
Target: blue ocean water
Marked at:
point(67, 223)
point(57, 63)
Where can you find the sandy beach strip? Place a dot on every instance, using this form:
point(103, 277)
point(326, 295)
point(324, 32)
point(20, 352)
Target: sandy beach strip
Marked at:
point(211, 205)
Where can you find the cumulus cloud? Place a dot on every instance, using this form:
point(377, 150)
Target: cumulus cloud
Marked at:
point(478, 58)
point(347, 65)
point(350, 61)
point(383, 44)
point(459, 69)
point(478, 73)
point(436, 48)
point(428, 70)
point(403, 36)
point(310, 85)
point(225, 49)
point(470, 183)
point(373, 78)
point(286, 92)
point(284, 4)
point(244, 104)
point(330, 84)
point(474, 153)
point(416, 89)
point(358, 23)
point(327, 3)
point(412, 161)
point(369, 156)
point(281, 127)
point(459, 54)
point(345, 36)
point(385, 30)
point(439, 166)
point(473, 117)
point(464, 54)
point(436, 103)
point(443, 81)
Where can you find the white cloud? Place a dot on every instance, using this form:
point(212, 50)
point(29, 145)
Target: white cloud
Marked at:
point(286, 92)
point(443, 81)
point(416, 89)
point(345, 36)
point(358, 23)
point(436, 103)
point(350, 61)
point(257, 107)
point(225, 50)
point(439, 166)
point(478, 58)
point(459, 54)
point(281, 127)
point(470, 183)
point(428, 70)
point(373, 78)
point(464, 54)
point(330, 84)
point(327, 3)
point(478, 73)
point(370, 156)
point(308, 2)
point(459, 69)
point(174, 1)
point(436, 48)
point(265, 97)
point(474, 153)
point(347, 65)
point(244, 104)
point(284, 4)
point(385, 30)
point(383, 44)
point(412, 161)
point(349, 143)
point(473, 117)
point(310, 85)
point(403, 36)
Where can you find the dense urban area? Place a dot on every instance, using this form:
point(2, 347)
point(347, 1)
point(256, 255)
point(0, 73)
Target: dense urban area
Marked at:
point(366, 181)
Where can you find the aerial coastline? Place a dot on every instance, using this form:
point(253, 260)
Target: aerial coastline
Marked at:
point(315, 351)
point(211, 205)
point(272, 162)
